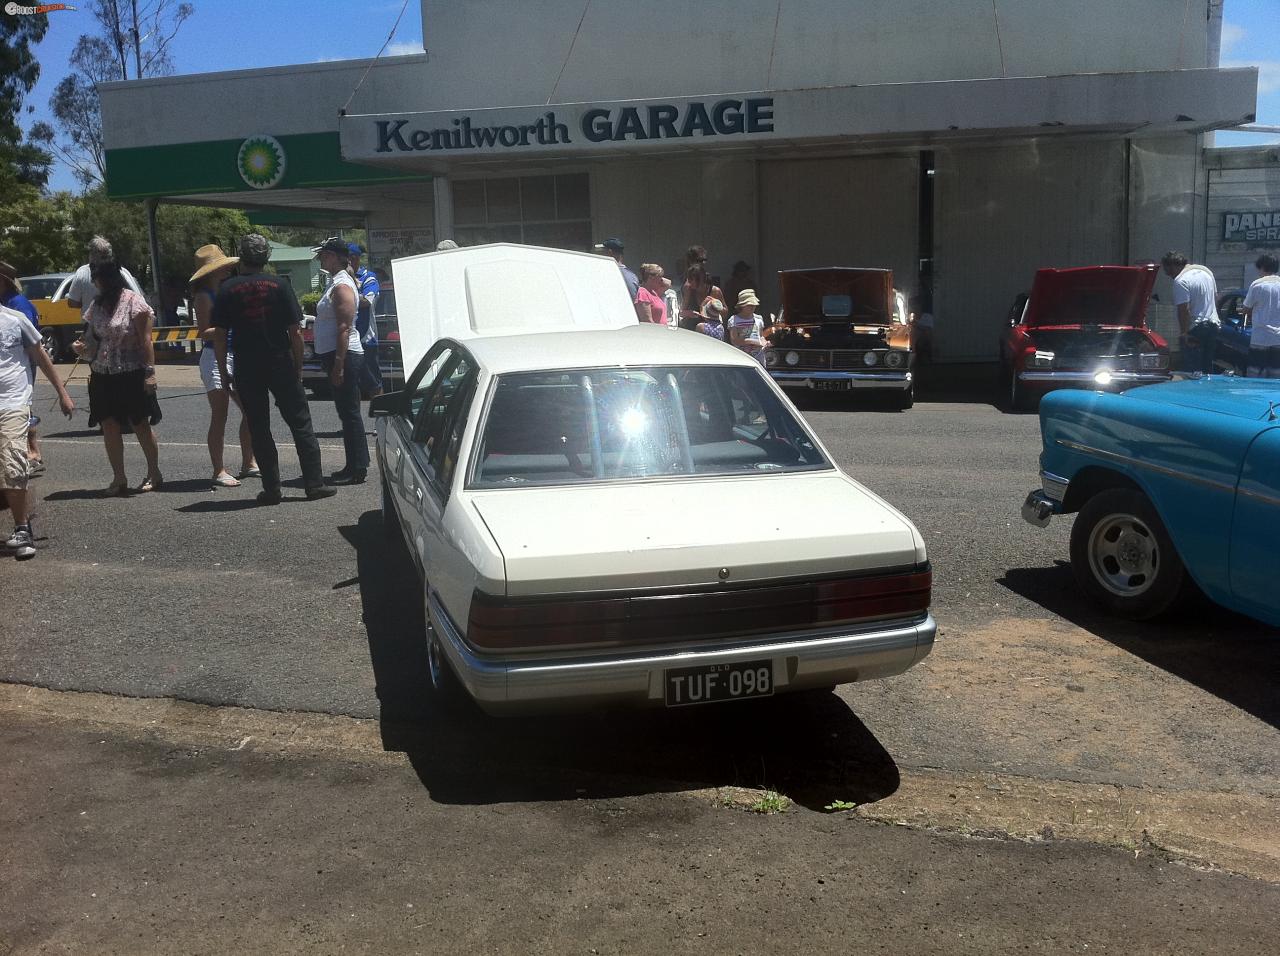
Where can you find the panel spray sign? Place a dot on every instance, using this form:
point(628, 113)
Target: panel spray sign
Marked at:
point(1257, 227)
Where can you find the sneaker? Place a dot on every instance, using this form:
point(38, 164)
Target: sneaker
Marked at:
point(21, 544)
point(269, 496)
point(321, 491)
point(35, 467)
point(354, 476)
point(11, 542)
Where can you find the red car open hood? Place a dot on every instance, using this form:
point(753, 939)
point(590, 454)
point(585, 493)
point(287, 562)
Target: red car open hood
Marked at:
point(1093, 295)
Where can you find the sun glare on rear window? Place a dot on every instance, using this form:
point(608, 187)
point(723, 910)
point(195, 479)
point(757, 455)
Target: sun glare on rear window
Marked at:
point(582, 425)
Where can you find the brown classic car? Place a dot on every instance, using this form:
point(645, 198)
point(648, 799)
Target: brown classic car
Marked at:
point(842, 329)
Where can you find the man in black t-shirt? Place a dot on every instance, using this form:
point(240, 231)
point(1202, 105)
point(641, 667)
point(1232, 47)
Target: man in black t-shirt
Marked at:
point(261, 317)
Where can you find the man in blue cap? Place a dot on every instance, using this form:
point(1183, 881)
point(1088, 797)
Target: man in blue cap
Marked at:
point(613, 247)
point(366, 324)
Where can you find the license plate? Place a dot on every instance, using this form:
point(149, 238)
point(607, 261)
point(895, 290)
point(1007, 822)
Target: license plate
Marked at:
point(830, 385)
point(715, 682)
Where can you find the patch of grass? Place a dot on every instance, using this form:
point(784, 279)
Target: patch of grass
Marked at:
point(770, 801)
point(836, 806)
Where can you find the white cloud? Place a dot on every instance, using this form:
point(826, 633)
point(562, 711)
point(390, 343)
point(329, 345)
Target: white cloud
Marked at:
point(404, 47)
point(1268, 73)
point(1232, 34)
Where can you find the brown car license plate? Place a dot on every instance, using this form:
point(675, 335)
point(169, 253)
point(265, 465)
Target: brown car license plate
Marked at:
point(830, 385)
point(716, 682)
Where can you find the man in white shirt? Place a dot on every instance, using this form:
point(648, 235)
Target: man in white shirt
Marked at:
point(1195, 293)
point(19, 350)
point(1262, 308)
point(81, 292)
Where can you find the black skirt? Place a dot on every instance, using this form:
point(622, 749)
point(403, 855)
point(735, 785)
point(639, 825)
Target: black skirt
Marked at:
point(123, 397)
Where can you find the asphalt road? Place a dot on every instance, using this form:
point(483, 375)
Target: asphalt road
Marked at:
point(202, 596)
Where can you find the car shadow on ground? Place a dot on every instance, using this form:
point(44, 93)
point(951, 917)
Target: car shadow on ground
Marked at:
point(1231, 656)
point(809, 747)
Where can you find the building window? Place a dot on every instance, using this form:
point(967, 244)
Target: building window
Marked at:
point(550, 211)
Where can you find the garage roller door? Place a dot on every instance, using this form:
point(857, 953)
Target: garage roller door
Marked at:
point(1003, 212)
point(838, 212)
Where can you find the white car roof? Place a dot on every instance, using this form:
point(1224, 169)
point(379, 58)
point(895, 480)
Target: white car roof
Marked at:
point(504, 289)
point(635, 345)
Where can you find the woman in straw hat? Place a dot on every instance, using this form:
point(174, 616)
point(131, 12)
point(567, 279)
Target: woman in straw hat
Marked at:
point(212, 267)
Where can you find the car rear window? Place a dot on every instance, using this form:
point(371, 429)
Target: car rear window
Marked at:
point(581, 425)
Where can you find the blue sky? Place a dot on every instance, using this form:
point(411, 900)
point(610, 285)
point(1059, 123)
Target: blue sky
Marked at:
point(244, 34)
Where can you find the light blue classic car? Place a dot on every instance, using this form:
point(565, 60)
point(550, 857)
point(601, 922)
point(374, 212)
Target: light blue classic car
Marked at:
point(1173, 483)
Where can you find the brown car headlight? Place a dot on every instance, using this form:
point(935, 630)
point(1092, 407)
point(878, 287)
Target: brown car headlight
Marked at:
point(770, 357)
point(895, 359)
point(870, 359)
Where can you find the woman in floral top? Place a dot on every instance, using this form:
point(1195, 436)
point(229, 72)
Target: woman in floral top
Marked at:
point(122, 388)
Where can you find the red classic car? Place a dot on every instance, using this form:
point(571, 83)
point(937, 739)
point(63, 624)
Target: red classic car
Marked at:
point(1082, 328)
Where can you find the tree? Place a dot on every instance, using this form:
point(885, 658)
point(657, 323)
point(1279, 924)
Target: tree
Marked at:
point(132, 42)
point(22, 164)
point(37, 233)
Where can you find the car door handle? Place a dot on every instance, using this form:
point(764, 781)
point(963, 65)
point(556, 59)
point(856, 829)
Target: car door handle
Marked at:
point(418, 493)
point(397, 451)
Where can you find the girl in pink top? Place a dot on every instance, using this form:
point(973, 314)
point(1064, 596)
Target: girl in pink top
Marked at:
point(650, 302)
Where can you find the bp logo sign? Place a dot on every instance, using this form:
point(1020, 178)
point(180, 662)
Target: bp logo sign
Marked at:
point(261, 161)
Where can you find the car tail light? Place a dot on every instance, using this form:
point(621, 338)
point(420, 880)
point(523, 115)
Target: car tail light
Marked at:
point(1149, 360)
point(514, 623)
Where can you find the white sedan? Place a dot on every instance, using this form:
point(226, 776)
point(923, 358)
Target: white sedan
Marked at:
point(632, 516)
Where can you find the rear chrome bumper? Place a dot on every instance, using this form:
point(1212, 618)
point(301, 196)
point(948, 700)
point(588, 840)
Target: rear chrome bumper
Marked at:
point(1090, 379)
point(800, 661)
point(894, 381)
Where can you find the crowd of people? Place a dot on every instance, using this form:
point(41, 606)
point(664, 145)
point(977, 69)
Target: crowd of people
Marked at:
point(698, 304)
point(251, 326)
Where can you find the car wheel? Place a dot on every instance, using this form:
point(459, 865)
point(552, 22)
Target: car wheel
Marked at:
point(49, 342)
point(1018, 400)
point(906, 399)
point(446, 689)
point(1123, 557)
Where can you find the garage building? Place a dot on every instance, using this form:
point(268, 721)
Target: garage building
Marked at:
point(962, 143)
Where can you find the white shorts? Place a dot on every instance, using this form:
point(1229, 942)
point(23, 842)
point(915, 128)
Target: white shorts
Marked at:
point(209, 373)
point(13, 448)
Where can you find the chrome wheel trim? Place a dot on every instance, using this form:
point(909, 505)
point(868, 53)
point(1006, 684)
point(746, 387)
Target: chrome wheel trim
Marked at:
point(1124, 556)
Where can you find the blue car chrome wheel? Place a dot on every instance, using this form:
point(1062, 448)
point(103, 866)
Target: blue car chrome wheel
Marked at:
point(1123, 557)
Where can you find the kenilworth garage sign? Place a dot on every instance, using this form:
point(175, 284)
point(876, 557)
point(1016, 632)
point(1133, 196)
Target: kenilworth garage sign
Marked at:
point(726, 117)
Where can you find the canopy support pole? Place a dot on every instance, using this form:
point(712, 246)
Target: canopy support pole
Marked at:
point(442, 193)
point(153, 239)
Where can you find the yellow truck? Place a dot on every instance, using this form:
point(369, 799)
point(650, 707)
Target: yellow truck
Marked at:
point(59, 322)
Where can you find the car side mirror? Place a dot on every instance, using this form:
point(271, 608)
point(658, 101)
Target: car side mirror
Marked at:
point(388, 403)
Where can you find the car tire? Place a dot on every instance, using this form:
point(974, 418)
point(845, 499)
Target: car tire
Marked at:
point(1019, 401)
point(50, 343)
point(906, 399)
point(446, 691)
point(1122, 555)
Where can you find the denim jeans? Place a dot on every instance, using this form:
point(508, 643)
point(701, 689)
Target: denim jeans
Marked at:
point(276, 376)
point(1203, 337)
point(346, 399)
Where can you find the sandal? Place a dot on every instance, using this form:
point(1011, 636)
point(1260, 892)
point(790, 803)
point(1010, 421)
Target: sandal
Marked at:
point(224, 480)
point(117, 488)
point(151, 483)
point(254, 472)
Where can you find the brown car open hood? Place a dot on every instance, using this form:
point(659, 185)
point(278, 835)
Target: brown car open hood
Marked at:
point(871, 292)
point(1093, 295)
